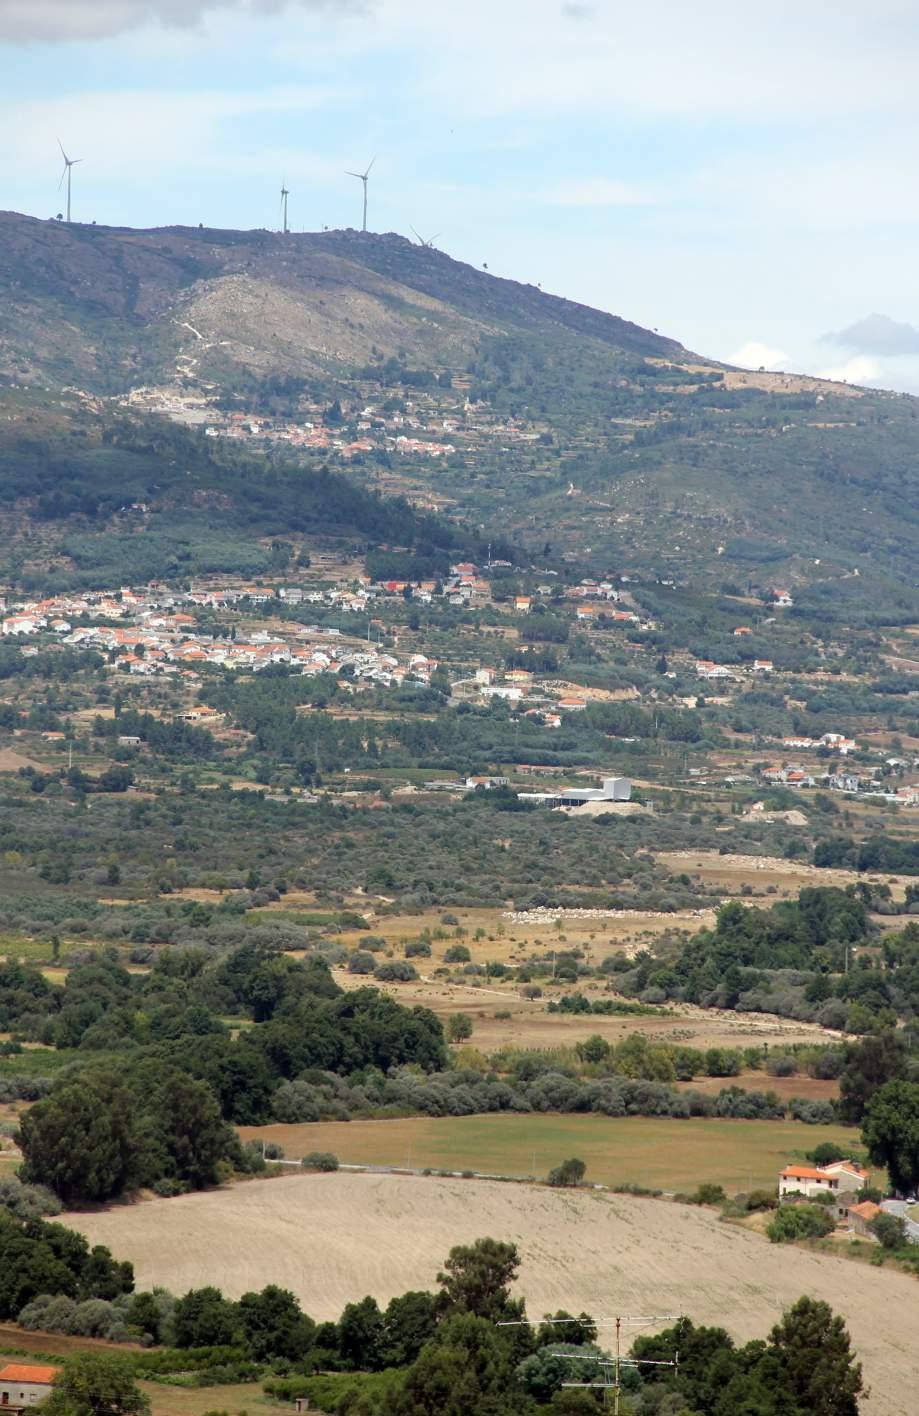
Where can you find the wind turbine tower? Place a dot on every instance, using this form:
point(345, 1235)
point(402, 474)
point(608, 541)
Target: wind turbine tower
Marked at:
point(69, 164)
point(284, 195)
point(362, 177)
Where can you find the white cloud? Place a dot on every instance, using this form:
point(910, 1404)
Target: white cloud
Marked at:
point(52, 20)
point(660, 58)
point(598, 192)
point(860, 370)
point(756, 355)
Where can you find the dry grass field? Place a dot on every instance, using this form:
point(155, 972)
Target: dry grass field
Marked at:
point(334, 1238)
point(730, 872)
point(196, 1401)
point(508, 941)
point(529, 1025)
point(657, 1152)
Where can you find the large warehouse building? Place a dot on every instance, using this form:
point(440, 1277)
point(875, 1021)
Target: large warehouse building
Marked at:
point(613, 789)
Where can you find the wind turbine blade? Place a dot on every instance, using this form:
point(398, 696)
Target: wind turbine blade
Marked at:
point(415, 233)
point(63, 153)
point(369, 169)
point(358, 175)
point(61, 182)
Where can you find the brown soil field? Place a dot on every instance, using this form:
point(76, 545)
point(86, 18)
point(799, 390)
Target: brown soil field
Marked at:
point(12, 761)
point(16, 1339)
point(814, 1088)
point(333, 1238)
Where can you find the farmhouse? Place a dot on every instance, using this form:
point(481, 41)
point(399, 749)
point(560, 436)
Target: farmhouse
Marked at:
point(23, 1385)
point(837, 1178)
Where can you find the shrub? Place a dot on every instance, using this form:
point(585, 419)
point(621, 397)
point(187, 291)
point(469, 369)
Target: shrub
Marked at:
point(320, 1160)
point(761, 1200)
point(418, 949)
point(395, 971)
point(812, 1113)
point(889, 1230)
point(708, 1194)
point(457, 954)
point(361, 962)
point(792, 1222)
point(569, 1173)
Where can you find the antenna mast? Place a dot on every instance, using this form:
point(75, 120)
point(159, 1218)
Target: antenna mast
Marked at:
point(614, 1365)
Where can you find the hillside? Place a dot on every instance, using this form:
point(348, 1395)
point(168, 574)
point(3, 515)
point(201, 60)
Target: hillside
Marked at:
point(329, 1237)
point(576, 432)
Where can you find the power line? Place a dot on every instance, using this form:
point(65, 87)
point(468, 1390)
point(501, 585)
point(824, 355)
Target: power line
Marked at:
point(613, 1365)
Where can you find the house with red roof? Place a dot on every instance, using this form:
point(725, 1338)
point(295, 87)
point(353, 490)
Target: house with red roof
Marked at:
point(838, 1179)
point(23, 1384)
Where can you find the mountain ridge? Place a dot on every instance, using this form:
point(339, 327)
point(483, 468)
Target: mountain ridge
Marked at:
point(566, 428)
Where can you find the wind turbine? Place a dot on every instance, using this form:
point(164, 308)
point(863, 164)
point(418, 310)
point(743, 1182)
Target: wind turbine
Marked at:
point(362, 177)
point(284, 195)
point(428, 245)
point(69, 162)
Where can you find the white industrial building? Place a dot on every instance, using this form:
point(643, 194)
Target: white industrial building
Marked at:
point(613, 789)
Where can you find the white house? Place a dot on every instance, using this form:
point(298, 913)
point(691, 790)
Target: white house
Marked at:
point(23, 1385)
point(838, 1178)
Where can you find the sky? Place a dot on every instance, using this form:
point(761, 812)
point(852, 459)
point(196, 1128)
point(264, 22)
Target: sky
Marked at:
point(741, 178)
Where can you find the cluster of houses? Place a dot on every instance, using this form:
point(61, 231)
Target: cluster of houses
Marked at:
point(843, 1181)
point(161, 639)
point(789, 775)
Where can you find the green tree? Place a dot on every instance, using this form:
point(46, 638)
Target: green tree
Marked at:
point(879, 1058)
point(815, 1359)
point(466, 1368)
point(477, 1278)
point(459, 1027)
point(95, 1385)
point(409, 1322)
point(81, 1140)
point(890, 1132)
point(274, 1325)
point(204, 1318)
point(184, 1133)
point(361, 1335)
point(593, 1049)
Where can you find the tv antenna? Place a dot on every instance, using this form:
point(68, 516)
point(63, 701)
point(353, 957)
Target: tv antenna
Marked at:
point(362, 177)
point(611, 1367)
point(69, 164)
point(284, 195)
point(428, 245)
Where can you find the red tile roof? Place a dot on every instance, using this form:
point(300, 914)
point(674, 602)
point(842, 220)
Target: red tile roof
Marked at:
point(19, 1372)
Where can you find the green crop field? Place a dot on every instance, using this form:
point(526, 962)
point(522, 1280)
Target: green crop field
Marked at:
point(663, 1154)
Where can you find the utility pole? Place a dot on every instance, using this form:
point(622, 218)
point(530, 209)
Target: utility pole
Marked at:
point(612, 1383)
